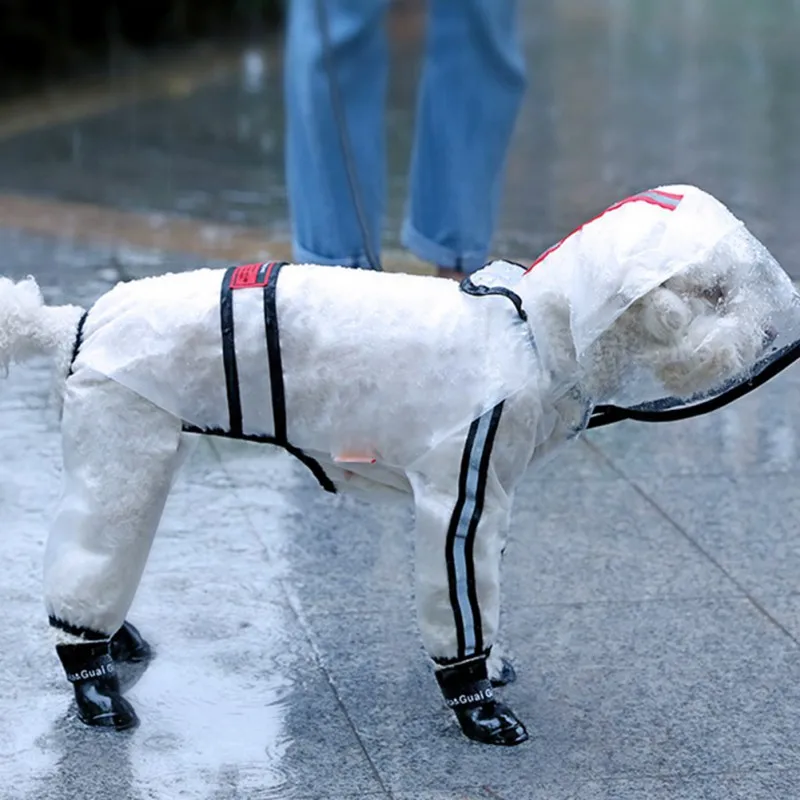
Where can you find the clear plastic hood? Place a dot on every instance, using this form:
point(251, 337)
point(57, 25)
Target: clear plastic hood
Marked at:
point(670, 284)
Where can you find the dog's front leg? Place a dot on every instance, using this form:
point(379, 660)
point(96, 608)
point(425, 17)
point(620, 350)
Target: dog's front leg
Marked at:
point(461, 521)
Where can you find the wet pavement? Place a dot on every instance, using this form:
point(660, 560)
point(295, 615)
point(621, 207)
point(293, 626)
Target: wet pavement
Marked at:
point(652, 589)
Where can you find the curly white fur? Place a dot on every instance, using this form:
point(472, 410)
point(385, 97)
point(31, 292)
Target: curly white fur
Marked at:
point(30, 328)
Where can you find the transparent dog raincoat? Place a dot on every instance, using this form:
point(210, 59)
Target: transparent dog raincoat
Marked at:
point(382, 368)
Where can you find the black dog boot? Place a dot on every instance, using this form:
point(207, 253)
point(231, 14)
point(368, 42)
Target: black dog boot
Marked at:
point(128, 646)
point(90, 670)
point(468, 691)
point(506, 675)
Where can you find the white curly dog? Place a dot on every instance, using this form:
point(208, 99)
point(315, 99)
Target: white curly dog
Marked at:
point(404, 383)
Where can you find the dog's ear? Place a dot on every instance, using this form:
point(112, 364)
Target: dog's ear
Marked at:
point(665, 315)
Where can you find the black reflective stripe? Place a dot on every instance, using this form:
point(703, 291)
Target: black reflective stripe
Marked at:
point(274, 353)
point(229, 354)
point(267, 272)
point(78, 341)
point(461, 534)
point(76, 630)
point(452, 577)
point(483, 472)
point(262, 271)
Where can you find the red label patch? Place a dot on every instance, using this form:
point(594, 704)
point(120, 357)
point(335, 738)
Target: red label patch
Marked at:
point(251, 276)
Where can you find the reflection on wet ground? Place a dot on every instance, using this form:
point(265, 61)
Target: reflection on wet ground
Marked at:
point(651, 586)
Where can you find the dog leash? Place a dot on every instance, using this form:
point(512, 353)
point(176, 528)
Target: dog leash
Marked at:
point(673, 409)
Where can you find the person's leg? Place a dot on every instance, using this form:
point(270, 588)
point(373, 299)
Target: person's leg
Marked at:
point(471, 91)
point(326, 224)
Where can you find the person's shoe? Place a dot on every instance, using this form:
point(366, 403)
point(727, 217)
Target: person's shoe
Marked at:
point(468, 692)
point(128, 646)
point(90, 669)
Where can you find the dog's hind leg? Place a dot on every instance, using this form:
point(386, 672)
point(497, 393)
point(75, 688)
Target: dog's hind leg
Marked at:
point(461, 522)
point(120, 456)
point(128, 646)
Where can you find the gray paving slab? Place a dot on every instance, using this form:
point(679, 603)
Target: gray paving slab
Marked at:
point(603, 542)
point(71, 271)
point(343, 554)
point(531, 789)
point(608, 690)
point(597, 541)
point(785, 609)
point(217, 154)
point(756, 435)
point(747, 525)
point(622, 95)
point(780, 785)
point(578, 461)
point(630, 94)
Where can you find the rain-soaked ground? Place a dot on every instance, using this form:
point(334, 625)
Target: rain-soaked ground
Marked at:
point(652, 583)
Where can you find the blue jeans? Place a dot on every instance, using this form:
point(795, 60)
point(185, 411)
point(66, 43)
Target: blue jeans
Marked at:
point(471, 90)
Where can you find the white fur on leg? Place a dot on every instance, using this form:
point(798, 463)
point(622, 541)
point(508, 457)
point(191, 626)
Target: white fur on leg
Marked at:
point(120, 457)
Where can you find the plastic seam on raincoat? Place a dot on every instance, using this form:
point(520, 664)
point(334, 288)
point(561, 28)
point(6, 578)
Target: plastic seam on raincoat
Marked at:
point(78, 341)
point(468, 287)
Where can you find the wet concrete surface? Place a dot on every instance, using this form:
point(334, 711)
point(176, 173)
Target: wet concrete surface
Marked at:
point(651, 584)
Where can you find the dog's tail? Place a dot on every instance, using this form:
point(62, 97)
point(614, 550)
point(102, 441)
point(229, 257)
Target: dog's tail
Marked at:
point(29, 328)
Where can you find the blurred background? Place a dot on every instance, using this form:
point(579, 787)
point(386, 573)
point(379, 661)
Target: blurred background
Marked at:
point(159, 126)
point(64, 38)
